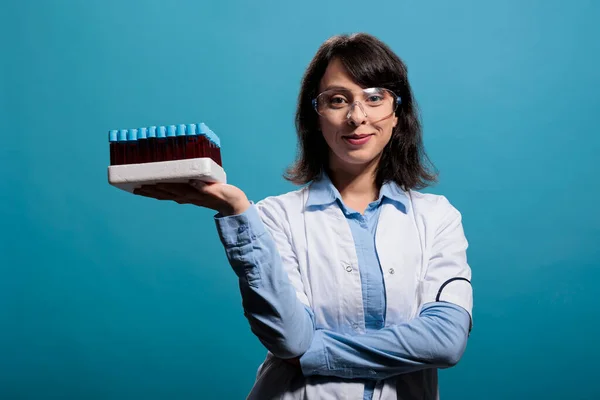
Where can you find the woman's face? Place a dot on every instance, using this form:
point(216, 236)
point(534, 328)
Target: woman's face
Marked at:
point(355, 142)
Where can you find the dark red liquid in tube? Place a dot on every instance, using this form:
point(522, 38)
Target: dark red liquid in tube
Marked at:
point(211, 149)
point(161, 143)
point(201, 146)
point(121, 149)
point(151, 147)
point(218, 156)
point(112, 138)
point(181, 143)
point(132, 147)
point(190, 141)
point(172, 148)
point(142, 136)
point(190, 146)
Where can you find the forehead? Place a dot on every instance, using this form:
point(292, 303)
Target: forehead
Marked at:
point(336, 75)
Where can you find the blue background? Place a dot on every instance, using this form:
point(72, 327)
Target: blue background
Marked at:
point(105, 295)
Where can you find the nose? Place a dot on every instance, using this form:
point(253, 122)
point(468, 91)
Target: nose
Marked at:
point(354, 116)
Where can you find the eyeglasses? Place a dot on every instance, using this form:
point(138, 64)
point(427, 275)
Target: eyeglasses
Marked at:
point(376, 104)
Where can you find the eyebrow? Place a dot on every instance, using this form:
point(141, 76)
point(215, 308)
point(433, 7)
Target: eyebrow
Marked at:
point(337, 88)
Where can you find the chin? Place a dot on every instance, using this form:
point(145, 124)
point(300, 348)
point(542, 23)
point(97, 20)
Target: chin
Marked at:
point(358, 158)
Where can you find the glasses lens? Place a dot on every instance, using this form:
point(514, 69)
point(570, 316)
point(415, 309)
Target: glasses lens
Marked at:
point(377, 103)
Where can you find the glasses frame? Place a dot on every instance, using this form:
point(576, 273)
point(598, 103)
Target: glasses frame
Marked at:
point(351, 105)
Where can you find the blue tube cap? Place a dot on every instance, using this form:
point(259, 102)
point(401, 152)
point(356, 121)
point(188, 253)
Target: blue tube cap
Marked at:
point(122, 135)
point(208, 132)
point(143, 133)
point(191, 129)
point(113, 135)
point(132, 135)
point(216, 139)
point(203, 129)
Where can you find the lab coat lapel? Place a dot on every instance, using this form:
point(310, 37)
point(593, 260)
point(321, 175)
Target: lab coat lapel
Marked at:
point(398, 246)
point(332, 266)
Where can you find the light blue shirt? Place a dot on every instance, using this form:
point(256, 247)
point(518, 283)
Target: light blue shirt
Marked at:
point(363, 227)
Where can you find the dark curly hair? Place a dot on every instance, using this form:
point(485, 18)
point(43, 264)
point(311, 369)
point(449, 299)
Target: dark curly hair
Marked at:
point(370, 63)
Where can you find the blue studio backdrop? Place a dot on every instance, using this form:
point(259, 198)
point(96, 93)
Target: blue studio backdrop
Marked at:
point(106, 295)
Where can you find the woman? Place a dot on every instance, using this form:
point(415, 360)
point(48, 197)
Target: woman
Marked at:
point(357, 284)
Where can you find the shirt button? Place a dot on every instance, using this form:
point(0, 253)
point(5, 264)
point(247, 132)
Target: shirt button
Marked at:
point(349, 268)
point(355, 326)
point(392, 271)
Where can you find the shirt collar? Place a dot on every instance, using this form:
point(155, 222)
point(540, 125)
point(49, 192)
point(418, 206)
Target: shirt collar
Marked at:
point(322, 192)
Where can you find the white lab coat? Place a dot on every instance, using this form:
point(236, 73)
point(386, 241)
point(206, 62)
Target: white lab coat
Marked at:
point(419, 251)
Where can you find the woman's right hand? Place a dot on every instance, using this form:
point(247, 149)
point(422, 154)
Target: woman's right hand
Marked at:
point(224, 198)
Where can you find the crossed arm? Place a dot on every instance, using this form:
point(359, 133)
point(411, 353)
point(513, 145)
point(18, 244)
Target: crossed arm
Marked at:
point(279, 314)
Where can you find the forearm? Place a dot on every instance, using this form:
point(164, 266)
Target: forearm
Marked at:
point(435, 339)
point(280, 321)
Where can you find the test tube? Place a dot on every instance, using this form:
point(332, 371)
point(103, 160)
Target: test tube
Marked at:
point(112, 139)
point(142, 136)
point(171, 142)
point(122, 147)
point(132, 150)
point(216, 148)
point(202, 146)
point(161, 143)
point(181, 142)
point(211, 144)
point(152, 144)
point(191, 141)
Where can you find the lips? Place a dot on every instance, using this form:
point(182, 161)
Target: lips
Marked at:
point(357, 140)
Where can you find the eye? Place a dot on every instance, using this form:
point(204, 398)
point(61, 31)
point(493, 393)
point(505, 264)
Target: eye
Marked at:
point(375, 98)
point(337, 101)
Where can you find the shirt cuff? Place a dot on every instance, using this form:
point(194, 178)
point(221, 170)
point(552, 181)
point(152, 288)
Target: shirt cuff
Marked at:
point(314, 360)
point(240, 229)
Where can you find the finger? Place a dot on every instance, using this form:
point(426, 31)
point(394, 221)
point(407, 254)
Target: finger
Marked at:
point(177, 189)
point(204, 188)
point(189, 194)
point(166, 190)
point(186, 194)
point(198, 184)
point(151, 195)
point(153, 188)
point(154, 193)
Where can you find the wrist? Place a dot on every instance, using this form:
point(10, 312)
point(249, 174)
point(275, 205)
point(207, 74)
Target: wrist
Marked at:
point(236, 208)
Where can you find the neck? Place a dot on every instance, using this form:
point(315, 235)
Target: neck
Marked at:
point(357, 183)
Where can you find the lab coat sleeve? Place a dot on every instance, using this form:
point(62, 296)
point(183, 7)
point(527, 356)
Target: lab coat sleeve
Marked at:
point(448, 275)
point(435, 339)
point(276, 314)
